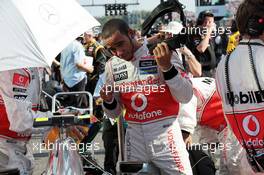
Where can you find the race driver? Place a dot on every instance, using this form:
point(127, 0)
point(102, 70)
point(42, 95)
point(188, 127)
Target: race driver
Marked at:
point(151, 90)
point(240, 85)
point(19, 101)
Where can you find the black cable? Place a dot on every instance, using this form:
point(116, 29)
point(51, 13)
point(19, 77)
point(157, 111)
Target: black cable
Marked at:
point(254, 69)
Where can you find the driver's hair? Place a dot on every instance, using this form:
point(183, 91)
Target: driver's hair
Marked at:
point(246, 10)
point(114, 25)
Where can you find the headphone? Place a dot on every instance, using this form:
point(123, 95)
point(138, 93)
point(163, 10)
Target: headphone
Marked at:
point(202, 16)
point(255, 26)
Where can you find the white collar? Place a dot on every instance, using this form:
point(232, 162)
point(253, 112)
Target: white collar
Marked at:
point(140, 51)
point(252, 41)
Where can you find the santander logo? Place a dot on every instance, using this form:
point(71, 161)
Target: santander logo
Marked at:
point(247, 125)
point(139, 102)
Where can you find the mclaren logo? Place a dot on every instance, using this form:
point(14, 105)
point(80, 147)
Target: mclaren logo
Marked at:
point(139, 102)
point(246, 122)
point(48, 14)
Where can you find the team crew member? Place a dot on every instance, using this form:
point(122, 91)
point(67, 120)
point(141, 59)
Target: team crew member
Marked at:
point(202, 45)
point(73, 71)
point(19, 101)
point(97, 51)
point(209, 109)
point(150, 89)
point(242, 91)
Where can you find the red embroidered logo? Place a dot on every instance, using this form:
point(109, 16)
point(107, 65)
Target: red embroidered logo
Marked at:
point(20, 80)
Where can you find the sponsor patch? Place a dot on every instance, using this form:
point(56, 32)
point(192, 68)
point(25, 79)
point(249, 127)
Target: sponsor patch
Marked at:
point(207, 81)
point(147, 63)
point(119, 68)
point(20, 80)
point(147, 57)
point(20, 97)
point(121, 76)
point(249, 97)
point(148, 70)
point(19, 90)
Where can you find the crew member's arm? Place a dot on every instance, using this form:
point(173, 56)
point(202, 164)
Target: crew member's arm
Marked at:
point(194, 65)
point(187, 115)
point(187, 119)
point(14, 92)
point(180, 87)
point(84, 68)
point(100, 60)
point(79, 56)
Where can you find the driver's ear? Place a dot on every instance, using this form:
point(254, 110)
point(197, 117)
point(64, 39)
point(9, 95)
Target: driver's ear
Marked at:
point(131, 33)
